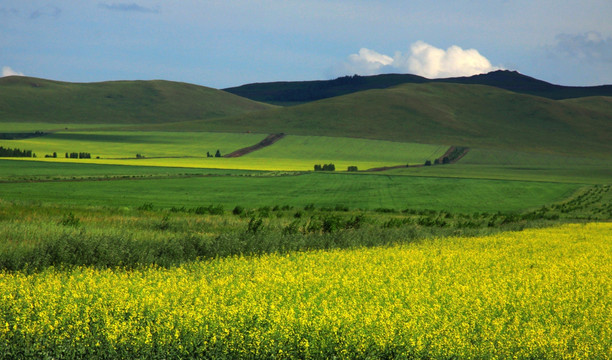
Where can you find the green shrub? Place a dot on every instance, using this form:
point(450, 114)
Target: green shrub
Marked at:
point(146, 207)
point(70, 220)
point(255, 225)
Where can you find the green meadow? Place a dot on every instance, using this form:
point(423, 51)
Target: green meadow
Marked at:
point(517, 165)
point(189, 149)
point(357, 191)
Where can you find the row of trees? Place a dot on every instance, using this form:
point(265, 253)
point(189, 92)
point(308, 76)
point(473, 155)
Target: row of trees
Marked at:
point(325, 167)
point(80, 155)
point(72, 155)
point(8, 152)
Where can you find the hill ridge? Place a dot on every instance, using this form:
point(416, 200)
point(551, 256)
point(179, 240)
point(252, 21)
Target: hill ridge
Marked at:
point(285, 92)
point(28, 99)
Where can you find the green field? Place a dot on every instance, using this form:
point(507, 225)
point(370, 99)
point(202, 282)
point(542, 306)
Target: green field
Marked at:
point(356, 191)
point(189, 149)
point(126, 144)
point(515, 165)
point(320, 149)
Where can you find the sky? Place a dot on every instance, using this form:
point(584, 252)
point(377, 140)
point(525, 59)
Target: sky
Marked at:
point(224, 43)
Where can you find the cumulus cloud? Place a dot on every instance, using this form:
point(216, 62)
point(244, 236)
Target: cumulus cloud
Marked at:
point(7, 71)
point(367, 62)
point(591, 47)
point(131, 7)
point(423, 59)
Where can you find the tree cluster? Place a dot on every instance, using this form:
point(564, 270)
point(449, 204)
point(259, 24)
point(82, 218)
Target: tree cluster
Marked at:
point(79, 155)
point(217, 154)
point(352, 168)
point(8, 152)
point(325, 167)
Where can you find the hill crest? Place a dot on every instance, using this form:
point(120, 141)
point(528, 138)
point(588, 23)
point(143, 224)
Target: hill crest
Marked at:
point(27, 99)
point(305, 91)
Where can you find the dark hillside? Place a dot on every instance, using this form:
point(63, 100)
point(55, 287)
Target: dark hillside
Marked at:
point(26, 99)
point(298, 92)
point(306, 91)
point(514, 81)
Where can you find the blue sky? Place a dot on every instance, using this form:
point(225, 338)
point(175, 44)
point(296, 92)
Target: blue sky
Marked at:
point(222, 43)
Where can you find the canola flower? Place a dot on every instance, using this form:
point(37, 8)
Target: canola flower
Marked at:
point(541, 293)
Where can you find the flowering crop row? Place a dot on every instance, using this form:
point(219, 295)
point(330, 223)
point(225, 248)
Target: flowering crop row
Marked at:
point(534, 294)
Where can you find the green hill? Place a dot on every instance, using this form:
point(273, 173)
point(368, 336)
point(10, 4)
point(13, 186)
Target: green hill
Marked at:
point(442, 113)
point(297, 92)
point(26, 99)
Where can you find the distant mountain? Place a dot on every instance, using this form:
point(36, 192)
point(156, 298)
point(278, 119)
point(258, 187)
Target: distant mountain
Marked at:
point(514, 81)
point(291, 93)
point(27, 99)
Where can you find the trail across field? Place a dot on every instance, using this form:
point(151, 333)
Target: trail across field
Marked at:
point(269, 140)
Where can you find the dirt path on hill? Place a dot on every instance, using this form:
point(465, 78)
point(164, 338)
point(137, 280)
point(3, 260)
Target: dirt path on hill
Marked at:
point(269, 140)
point(453, 153)
point(459, 153)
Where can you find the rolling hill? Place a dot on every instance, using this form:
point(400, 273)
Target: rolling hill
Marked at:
point(26, 99)
point(442, 113)
point(291, 93)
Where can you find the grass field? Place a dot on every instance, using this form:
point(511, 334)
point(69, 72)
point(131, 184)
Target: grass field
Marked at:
point(126, 144)
point(25, 127)
point(532, 294)
point(189, 149)
point(356, 191)
point(19, 170)
point(321, 149)
point(515, 165)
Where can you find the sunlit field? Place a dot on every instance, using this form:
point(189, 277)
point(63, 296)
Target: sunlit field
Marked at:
point(533, 294)
point(190, 150)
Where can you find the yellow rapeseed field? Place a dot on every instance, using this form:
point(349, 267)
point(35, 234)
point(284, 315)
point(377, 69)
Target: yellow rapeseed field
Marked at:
point(541, 293)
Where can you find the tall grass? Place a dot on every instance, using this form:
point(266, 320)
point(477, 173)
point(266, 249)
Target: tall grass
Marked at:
point(33, 238)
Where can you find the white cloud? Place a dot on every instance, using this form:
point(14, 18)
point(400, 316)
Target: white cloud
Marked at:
point(367, 62)
point(7, 71)
point(423, 59)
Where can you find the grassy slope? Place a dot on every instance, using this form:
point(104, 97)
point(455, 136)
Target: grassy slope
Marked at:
point(468, 115)
point(24, 99)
